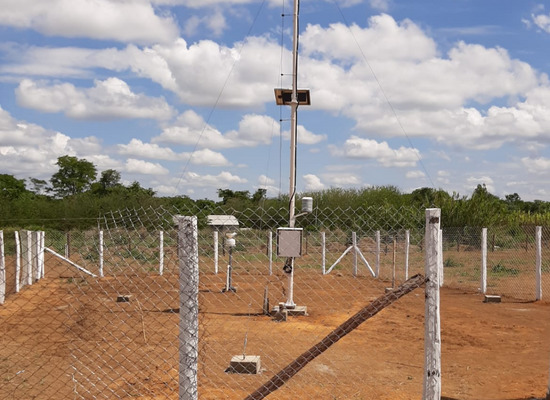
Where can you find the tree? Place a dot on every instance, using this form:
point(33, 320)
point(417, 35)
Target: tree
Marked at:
point(74, 176)
point(109, 180)
point(10, 187)
point(39, 186)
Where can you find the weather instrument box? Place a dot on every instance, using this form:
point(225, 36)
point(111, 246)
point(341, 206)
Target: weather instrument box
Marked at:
point(289, 242)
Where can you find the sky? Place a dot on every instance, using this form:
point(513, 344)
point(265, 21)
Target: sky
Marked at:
point(179, 94)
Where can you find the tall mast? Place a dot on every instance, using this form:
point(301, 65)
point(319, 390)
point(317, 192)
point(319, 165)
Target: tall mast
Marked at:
point(294, 118)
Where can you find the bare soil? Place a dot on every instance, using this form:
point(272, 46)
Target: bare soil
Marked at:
point(66, 337)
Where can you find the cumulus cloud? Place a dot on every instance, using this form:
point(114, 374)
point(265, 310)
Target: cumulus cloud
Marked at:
point(191, 129)
point(144, 167)
point(98, 19)
point(313, 182)
point(539, 165)
point(31, 150)
point(223, 179)
point(359, 148)
point(108, 99)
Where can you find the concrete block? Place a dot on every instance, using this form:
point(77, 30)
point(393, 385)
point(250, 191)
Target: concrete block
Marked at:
point(491, 299)
point(244, 365)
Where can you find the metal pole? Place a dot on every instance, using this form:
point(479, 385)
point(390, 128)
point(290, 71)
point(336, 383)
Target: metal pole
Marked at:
point(293, 136)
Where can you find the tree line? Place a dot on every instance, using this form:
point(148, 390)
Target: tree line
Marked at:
point(77, 194)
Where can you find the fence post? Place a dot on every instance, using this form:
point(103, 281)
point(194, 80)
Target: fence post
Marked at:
point(41, 245)
point(101, 254)
point(432, 338)
point(17, 261)
point(440, 255)
point(216, 246)
point(270, 251)
point(407, 248)
point(161, 253)
point(323, 251)
point(354, 244)
point(483, 261)
point(538, 234)
point(189, 306)
point(377, 254)
point(28, 260)
point(2, 269)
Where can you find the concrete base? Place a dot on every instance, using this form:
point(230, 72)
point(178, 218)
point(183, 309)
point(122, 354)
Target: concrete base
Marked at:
point(291, 312)
point(491, 299)
point(244, 365)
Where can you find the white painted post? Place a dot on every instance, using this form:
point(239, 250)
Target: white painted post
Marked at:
point(17, 262)
point(432, 338)
point(270, 251)
point(407, 248)
point(28, 260)
point(377, 254)
point(37, 266)
point(101, 254)
point(394, 253)
point(323, 251)
point(538, 234)
point(216, 249)
point(161, 253)
point(2, 269)
point(188, 254)
point(354, 244)
point(483, 261)
point(440, 255)
point(41, 245)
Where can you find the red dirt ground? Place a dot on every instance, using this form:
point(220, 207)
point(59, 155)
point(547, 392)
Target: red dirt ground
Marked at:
point(51, 332)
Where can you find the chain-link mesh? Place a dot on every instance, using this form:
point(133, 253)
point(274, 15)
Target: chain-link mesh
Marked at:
point(103, 322)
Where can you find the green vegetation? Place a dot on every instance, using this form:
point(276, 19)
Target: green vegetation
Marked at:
point(77, 195)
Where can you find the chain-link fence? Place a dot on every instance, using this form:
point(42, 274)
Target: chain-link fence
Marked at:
point(103, 322)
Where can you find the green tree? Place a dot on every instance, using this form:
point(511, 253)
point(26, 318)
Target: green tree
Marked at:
point(11, 188)
point(74, 176)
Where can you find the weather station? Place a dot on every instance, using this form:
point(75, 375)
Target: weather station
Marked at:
point(289, 239)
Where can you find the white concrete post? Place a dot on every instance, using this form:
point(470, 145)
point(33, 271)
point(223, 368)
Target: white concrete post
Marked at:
point(432, 338)
point(354, 244)
point(41, 245)
point(216, 250)
point(161, 252)
point(538, 234)
point(2, 269)
point(483, 287)
point(17, 262)
point(101, 254)
point(34, 256)
point(440, 261)
point(407, 248)
point(28, 258)
point(377, 254)
point(323, 251)
point(188, 254)
point(270, 251)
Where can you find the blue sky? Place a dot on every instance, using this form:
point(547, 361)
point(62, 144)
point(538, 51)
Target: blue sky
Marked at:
point(178, 94)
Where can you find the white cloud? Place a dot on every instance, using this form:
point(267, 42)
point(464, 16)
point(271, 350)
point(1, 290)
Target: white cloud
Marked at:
point(207, 157)
point(358, 148)
point(415, 174)
point(305, 136)
point(222, 180)
point(111, 98)
point(191, 129)
point(137, 148)
point(341, 179)
point(144, 167)
point(313, 182)
point(96, 19)
point(538, 165)
point(542, 21)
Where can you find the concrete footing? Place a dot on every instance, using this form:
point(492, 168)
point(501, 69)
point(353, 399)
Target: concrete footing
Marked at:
point(491, 299)
point(244, 365)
